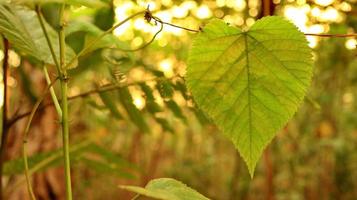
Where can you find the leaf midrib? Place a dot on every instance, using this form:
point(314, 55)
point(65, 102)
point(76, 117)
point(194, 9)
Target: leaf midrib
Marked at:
point(249, 94)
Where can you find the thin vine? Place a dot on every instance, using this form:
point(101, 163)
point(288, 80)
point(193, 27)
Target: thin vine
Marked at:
point(25, 136)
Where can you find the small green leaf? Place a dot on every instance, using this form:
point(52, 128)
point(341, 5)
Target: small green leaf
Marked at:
point(165, 88)
point(109, 101)
point(172, 105)
point(164, 124)
point(181, 87)
point(133, 112)
point(166, 189)
point(151, 105)
point(250, 82)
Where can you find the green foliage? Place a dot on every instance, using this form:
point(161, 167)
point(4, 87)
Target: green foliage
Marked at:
point(133, 112)
point(250, 82)
point(151, 105)
point(172, 105)
point(166, 189)
point(92, 32)
point(94, 157)
point(22, 28)
point(109, 102)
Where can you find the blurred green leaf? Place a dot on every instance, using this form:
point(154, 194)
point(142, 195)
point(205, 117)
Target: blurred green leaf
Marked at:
point(110, 157)
point(165, 88)
point(51, 158)
point(104, 167)
point(172, 105)
point(22, 28)
point(108, 41)
point(164, 124)
point(109, 99)
point(166, 189)
point(151, 105)
point(104, 18)
point(181, 87)
point(133, 112)
point(83, 151)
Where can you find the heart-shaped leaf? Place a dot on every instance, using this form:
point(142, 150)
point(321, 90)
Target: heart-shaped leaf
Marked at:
point(250, 82)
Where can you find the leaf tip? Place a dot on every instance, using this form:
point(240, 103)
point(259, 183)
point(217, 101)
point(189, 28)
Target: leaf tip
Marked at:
point(251, 170)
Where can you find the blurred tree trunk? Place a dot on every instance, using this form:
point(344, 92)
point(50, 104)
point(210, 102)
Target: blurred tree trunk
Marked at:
point(268, 8)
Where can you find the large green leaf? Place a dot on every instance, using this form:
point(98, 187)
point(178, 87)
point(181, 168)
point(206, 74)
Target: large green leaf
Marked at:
point(22, 28)
point(250, 82)
point(166, 189)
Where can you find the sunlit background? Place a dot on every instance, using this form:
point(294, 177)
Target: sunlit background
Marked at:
point(309, 17)
point(316, 148)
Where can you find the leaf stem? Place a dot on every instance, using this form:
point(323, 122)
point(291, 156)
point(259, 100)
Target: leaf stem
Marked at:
point(44, 29)
point(53, 94)
point(64, 121)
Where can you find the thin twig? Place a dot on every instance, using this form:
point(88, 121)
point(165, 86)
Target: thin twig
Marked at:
point(146, 44)
point(332, 35)
point(95, 41)
point(24, 147)
point(174, 25)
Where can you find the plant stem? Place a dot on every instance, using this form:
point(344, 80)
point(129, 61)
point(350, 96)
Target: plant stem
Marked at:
point(65, 139)
point(44, 29)
point(65, 125)
point(4, 126)
point(53, 94)
point(53, 54)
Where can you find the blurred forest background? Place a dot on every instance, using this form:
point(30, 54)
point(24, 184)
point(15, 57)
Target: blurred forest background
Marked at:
point(152, 129)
